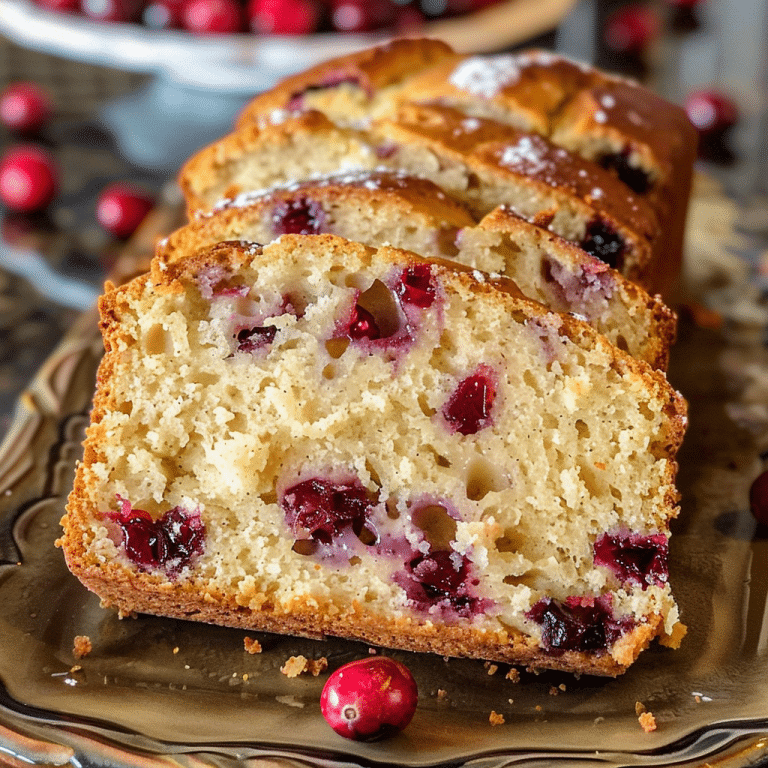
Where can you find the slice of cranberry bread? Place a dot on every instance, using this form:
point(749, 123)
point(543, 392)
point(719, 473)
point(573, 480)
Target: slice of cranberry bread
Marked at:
point(378, 208)
point(481, 162)
point(321, 438)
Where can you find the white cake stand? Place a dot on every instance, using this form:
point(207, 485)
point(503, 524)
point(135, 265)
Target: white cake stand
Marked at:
point(200, 83)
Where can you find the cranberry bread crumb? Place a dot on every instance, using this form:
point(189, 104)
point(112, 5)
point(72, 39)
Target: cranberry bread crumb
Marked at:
point(481, 162)
point(323, 438)
point(378, 208)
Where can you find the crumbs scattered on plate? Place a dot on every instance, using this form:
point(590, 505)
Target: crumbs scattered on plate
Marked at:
point(496, 719)
point(82, 646)
point(646, 719)
point(297, 665)
point(252, 645)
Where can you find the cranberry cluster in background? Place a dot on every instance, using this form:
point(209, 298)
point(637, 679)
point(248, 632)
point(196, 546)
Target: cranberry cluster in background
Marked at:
point(270, 17)
point(30, 177)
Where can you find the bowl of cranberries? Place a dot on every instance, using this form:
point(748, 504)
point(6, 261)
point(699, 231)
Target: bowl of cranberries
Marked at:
point(233, 43)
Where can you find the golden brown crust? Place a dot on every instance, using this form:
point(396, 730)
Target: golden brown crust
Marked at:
point(413, 196)
point(123, 590)
point(368, 70)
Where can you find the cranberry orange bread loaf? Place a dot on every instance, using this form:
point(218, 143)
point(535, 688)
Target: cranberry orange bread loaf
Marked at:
point(323, 438)
point(648, 142)
point(378, 208)
point(481, 162)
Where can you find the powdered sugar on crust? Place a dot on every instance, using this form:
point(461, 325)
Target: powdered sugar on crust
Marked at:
point(487, 75)
point(376, 179)
point(530, 155)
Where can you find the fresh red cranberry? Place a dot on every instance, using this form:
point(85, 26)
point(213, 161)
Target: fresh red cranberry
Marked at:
point(578, 624)
point(212, 17)
point(711, 112)
point(416, 286)
point(469, 408)
point(635, 178)
point(61, 6)
point(323, 509)
point(283, 17)
point(602, 241)
point(29, 178)
point(251, 339)
point(117, 11)
point(758, 498)
point(363, 325)
point(634, 558)
point(170, 542)
point(369, 699)
point(299, 216)
point(121, 208)
point(361, 15)
point(24, 107)
point(630, 29)
point(162, 14)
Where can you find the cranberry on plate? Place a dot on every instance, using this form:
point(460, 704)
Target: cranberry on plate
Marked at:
point(369, 699)
point(29, 179)
point(121, 208)
point(24, 107)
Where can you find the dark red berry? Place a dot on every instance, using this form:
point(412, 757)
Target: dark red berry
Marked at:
point(361, 15)
point(630, 29)
point(441, 577)
point(634, 558)
point(416, 286)
point(212, 17)
point(711, 112)
point(169, 542)
point(633, 176)
point(602, 241)
point(321, 509)
point(299, 216)
point(469, 408)
point(283, 17)
point(121, 208)
point(758, 498)
point(363, 325)
point(24, 107)
point(369, 699)
point(29, 178)
point(578, 624)
point(251, 339)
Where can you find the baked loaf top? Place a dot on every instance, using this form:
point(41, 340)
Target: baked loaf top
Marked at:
point(378, 208)
point(646, 141)
point(248, 410)
point(482, 163)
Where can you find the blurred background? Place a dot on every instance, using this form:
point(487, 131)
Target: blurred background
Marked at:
point(101, 100)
